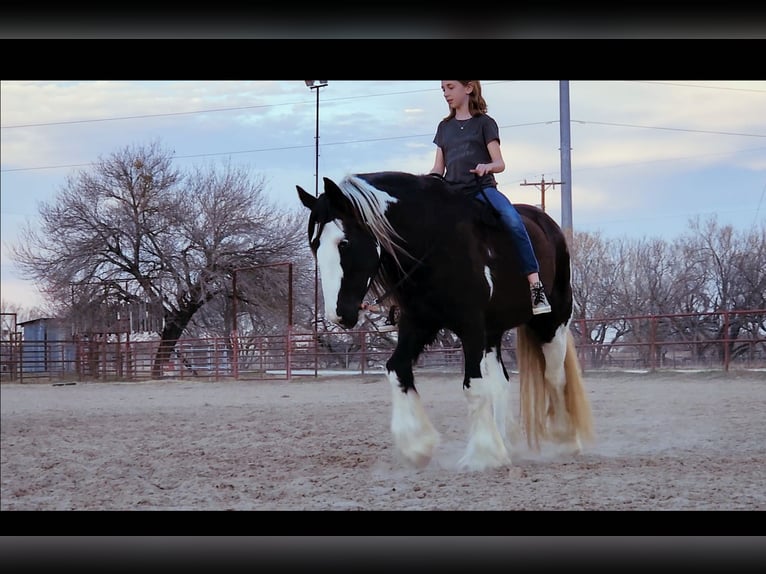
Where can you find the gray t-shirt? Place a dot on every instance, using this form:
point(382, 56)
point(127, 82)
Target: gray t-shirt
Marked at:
point(464, 144)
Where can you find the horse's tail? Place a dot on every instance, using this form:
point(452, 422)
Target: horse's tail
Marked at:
point(534, 392)
point(577, 401)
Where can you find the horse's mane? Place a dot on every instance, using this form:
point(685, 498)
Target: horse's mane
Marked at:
point(370, 205)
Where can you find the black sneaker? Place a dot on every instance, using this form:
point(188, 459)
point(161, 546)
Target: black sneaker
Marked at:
point(540, 303)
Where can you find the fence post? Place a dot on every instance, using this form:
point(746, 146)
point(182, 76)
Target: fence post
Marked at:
point(288, 367)
point(582, 352)
point(726, 353)
point(363, 350)
point(235, 354)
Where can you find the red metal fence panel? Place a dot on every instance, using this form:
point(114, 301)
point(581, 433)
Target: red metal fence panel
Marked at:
point(711, 341)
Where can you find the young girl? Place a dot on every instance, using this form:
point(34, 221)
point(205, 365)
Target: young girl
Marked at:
point(468, 154)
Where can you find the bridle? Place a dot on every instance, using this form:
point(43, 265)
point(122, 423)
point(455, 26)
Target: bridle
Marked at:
point(395, 286)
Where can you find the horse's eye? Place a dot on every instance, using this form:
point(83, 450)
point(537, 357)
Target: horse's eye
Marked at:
point(343, 244)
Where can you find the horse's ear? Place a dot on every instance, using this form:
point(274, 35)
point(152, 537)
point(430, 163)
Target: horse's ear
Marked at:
point(306, 198)
point(336, 198)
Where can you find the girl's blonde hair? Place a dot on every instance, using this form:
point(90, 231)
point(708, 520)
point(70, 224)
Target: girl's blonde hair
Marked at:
point(476, 103)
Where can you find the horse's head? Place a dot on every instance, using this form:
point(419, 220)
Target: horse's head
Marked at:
point(347, 254)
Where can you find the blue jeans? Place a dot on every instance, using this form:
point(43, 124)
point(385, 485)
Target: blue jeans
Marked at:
point(514, 224)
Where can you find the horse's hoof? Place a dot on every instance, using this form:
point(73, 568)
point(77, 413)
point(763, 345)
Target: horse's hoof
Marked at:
point(418, 460)
point(478, 459)
point(568, 447)
point(419, 452)
point(471, 464)
point(574, 447)
point(419, 457)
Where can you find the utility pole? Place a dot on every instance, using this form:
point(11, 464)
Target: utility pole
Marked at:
point(542, 188)
point(566, 160)
point(316, 85)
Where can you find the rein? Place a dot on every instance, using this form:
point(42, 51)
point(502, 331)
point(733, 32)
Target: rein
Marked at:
point(404, 278)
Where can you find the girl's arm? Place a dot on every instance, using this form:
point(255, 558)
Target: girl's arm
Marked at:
point(497, 165)
point(438, 167)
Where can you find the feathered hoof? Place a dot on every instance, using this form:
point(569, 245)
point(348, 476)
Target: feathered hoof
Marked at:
point(473, 465)
point(417, 460)
point(484, 459)
point(573, 447)
point(418, 453)
point(566, 444)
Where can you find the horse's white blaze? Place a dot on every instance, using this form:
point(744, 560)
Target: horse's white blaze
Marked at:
point(414, 435)
point(330, 270)
point(485, 448)
point(555, 378)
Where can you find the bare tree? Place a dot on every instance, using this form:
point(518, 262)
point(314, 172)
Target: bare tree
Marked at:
point(735, 267)
point(595, 274)
point(136, 228)
point(750, 270)
point(25, 313)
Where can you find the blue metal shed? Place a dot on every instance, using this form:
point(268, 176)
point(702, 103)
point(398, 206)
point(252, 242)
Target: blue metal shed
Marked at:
point(46, 346)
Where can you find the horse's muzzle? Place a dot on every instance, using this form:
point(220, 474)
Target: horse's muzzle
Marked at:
point(348, 316)
point(348, 321)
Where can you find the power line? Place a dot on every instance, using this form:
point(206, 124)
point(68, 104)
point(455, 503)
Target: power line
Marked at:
point(714, 132)
point(217, 110)
point(282, 148)
point(701, 86)
point(190, 112)
point(504, 182)
point(337, 99)
point(373, 140)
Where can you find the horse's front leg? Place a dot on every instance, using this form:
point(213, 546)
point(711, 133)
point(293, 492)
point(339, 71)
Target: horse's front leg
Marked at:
point(487, 407)
point(414, 435)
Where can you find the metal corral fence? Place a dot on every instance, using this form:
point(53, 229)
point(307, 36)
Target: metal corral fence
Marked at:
point(711, 341)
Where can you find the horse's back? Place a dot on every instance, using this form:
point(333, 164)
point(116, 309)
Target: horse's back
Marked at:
point(462, 238)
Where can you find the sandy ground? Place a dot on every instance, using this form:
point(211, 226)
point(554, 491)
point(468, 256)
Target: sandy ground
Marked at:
point(676, 441)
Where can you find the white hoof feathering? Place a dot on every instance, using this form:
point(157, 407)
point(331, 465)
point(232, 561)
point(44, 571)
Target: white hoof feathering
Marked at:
point(485, 448)
point(498, 389)
point(414, 435)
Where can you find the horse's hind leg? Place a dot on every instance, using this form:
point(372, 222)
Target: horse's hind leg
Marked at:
point(561, 426)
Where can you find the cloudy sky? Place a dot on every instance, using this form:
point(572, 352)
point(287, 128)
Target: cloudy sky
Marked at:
point(646, 156)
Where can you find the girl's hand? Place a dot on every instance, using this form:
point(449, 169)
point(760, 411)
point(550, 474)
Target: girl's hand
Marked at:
point(481, 169)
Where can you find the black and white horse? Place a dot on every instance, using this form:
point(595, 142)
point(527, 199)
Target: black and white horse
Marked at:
point(443, 260)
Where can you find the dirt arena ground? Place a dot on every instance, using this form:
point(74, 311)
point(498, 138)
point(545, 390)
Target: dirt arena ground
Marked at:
point(673, 441)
